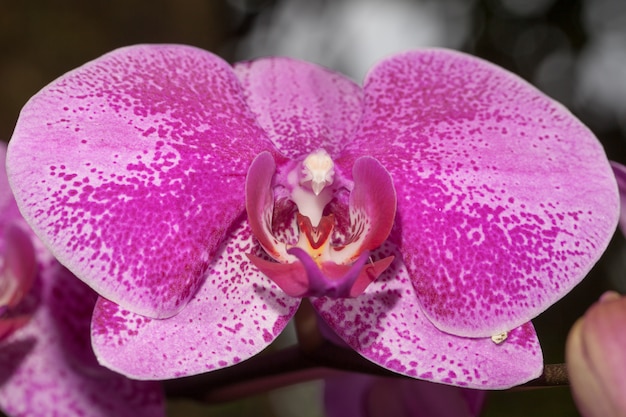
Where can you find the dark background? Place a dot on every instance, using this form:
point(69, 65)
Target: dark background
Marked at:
point(574, 50)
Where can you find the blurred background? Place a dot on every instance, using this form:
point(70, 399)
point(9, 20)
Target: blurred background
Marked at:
point(573, 50)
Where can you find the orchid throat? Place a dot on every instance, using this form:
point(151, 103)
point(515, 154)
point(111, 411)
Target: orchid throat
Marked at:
point(319, 240)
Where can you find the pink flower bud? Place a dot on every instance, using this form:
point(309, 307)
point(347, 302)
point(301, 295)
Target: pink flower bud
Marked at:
point(596, 358)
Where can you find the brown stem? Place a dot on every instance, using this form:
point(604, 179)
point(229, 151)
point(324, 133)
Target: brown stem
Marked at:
point(554, 375)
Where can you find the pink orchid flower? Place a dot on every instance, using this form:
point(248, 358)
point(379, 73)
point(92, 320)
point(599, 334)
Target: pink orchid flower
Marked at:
point(47, 366)
point(429, 214)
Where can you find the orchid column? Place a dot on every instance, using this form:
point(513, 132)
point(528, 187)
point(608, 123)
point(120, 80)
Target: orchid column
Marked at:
point(429, 214)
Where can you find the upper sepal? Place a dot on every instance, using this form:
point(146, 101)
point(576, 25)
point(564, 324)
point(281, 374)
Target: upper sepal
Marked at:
point(300, 105)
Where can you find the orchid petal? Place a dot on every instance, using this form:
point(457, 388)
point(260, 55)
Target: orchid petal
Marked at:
point(620, 175)
point(131, 169)
point(235, 314)
point(47, 366)
point(505, 200)
point(359, 395)
point(17, 258)
point(301, 106)
point(374, 195)
point(260, 203)
point(387, 326)
point(372, 208)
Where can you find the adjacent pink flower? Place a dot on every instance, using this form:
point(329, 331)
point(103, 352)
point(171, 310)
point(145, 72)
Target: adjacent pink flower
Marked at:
point(596, 358)
point(359, 395)
point(47, 366)
point(443, 203)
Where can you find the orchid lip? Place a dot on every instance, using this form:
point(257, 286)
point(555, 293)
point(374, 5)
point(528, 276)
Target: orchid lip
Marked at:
point(329, 258)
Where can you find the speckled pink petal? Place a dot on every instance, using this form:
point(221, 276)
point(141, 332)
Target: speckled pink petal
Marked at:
point(131, 169)
point(620, 175)
point(387, 326)
point(373, 196)
point(47, 367)
point(505, 200)
point(235, 314)
point(300, 105)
